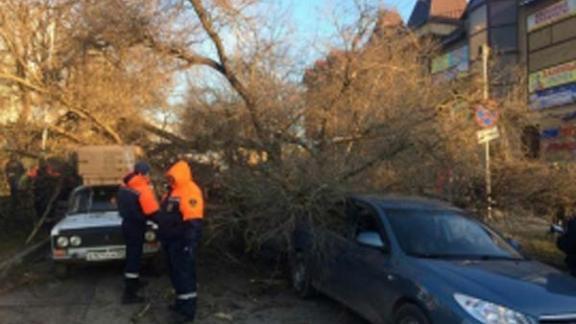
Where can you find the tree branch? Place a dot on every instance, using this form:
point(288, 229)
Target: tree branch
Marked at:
point(66, 134)
point(166, 135)
point(186, 56)
point(77, 110)
point(23, 82)
point(383, 156)
point(112, 134)
point(234, 81)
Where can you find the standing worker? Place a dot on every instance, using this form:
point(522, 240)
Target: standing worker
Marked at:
point(180, 229)
point(14, 170)
point(136, 204)
point(567, 242)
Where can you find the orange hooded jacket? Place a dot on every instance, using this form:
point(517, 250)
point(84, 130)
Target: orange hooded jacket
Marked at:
point(186, 191)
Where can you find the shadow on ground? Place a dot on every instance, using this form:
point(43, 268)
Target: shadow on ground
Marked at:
point(229, 292)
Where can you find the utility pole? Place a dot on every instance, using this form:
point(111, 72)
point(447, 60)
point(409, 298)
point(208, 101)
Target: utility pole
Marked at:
point(486, 83)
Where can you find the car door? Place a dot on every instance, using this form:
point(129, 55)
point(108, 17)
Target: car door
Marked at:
point(368, 268)
point(331, 243)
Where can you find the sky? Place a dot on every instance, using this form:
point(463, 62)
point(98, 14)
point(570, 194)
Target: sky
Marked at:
point(308, 13)
point(314, 21)
point(313, 25)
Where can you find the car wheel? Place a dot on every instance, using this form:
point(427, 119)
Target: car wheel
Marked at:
point(410, 314)
point(61, 270)
point(300, 275)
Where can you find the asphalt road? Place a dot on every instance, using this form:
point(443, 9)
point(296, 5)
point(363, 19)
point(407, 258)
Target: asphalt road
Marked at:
point(228, 293)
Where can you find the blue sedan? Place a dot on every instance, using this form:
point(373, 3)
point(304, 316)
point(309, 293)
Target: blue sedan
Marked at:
point(414, 261)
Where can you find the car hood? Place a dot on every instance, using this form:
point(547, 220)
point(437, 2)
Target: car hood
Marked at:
point(526, 286)
point(87, 220)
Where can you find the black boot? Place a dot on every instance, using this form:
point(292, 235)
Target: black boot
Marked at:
point(180, 318)
point(130, 295)
point(185, 310)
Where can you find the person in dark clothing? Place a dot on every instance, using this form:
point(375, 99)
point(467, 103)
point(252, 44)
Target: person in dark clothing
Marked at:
point(136, 203)
point(180, 228)
point(567, 244)
point(14, 170)
point(45, 182)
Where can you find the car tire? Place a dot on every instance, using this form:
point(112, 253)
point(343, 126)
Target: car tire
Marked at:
point(410, 314)
point(300, 275)
point(61, 270)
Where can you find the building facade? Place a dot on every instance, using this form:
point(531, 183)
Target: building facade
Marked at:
point(472, 25)
point(535, 38)
point(548, 39)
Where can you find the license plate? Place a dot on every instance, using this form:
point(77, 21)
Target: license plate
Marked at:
point(105, 255)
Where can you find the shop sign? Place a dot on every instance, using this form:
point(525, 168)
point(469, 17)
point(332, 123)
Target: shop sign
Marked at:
point(452, 74)
point(552, 77)
point(551, 14)
point(553, 97)
point(559, 143)
point(457, 59)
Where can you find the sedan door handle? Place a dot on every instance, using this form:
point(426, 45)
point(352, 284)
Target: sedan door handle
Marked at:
point(390, 277)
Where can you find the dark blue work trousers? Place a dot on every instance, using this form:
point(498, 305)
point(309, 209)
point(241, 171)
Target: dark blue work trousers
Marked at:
point(134, 239)
point(181, 255)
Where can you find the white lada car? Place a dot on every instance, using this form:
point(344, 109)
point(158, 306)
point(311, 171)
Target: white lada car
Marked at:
point(91, 231)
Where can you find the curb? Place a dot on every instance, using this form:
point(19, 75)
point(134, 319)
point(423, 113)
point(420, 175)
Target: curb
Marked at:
point(21, 257)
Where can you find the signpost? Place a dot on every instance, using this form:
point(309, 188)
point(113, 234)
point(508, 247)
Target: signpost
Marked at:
point(487, 119)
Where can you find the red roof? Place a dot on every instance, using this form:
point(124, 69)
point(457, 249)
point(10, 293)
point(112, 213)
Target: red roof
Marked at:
point(424, 10)
point(447, 8)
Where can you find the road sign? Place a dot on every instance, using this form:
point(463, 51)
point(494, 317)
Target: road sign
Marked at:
point(485, 117)
point(487, 135)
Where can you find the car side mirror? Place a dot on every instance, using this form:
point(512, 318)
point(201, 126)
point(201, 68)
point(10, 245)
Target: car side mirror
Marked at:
point(371, 239)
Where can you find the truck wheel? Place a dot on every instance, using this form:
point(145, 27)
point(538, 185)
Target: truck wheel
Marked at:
point(61, 270)
point(410, 314)
point(300, 275)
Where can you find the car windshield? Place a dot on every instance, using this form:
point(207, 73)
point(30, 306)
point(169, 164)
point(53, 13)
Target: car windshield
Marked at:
point(447, 234)
point(93, 199)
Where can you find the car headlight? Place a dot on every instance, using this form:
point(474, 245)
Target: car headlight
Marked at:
point(489, 313)
point(150, 236)
point(75, 240)
point(62, 242)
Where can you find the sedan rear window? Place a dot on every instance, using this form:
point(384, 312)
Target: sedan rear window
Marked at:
point(447, 234)
point(93, 199)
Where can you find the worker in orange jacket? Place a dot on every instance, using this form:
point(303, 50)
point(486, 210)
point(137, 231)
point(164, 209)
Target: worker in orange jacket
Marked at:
point(180, 229)
point(136, 204)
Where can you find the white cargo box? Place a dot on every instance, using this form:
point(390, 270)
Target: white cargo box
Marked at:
point(101, 165)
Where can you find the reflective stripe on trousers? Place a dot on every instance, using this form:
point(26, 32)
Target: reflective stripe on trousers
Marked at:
point(187, 296)
point(129, 275)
